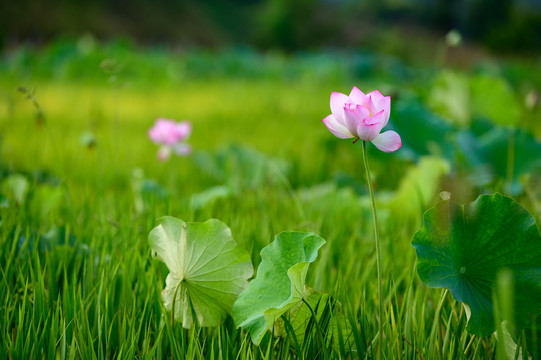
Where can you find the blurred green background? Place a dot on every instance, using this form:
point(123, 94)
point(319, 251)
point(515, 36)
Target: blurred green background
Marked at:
point(463, 76)
point(502, 25)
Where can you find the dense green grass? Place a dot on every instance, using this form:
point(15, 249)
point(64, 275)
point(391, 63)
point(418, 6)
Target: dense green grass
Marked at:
point(97, 294)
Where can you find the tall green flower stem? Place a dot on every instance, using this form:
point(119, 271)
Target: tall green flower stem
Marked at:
point(378, 251)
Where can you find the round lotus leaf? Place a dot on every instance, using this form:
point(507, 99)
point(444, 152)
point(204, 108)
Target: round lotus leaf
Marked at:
point(464, 247)
point(208, 269)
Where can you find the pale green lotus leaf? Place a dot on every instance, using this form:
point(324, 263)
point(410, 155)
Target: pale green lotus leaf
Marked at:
point(492, 97)
point(17, 185)
point(450, 96)
point(417, 189)
point(208, 269)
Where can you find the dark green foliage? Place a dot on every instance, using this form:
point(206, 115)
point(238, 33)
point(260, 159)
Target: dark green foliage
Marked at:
point(288, 25)
point(464, 248)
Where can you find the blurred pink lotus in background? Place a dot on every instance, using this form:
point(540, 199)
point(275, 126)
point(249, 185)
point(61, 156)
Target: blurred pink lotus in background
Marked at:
point(171, 135)
point(362, 116)
point(169, 132)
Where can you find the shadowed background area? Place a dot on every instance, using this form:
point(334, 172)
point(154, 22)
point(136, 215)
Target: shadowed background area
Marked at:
point(503, 25)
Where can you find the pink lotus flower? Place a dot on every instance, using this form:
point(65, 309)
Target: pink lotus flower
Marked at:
point(362, 116)
point(171, 136)
point(169, 132)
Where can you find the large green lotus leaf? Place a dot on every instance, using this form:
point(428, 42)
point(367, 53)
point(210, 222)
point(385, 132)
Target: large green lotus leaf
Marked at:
point(492, 97)
point(417, 189)
point(462, 248)
point(210, 196)
point(333, 203)
point(450, 96)
point(487, 154)
point(17, 185)
point(208, 270)
point(525, 149)
point(422, 131)
point(147, 193)
point(279, 284)
point(242, 167)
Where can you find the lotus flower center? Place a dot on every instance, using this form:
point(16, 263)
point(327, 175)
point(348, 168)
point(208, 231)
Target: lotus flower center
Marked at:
point(353, 107)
